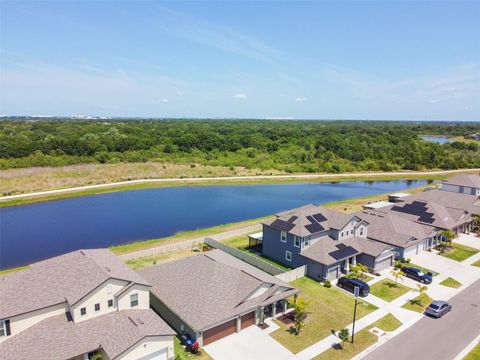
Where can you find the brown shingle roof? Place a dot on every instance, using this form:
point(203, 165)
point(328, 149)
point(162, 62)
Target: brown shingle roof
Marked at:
point(59, 338)
point(63, 278)
point(470, 180)
point(212, 287)
point(325, 249)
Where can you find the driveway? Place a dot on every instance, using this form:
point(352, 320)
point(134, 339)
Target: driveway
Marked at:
point(468, 240)
point(251, 343)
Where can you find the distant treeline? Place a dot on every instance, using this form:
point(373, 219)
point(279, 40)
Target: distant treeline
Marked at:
point(292, 146)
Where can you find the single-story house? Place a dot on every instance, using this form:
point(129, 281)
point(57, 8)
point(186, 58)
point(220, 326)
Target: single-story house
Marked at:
point(213, 294)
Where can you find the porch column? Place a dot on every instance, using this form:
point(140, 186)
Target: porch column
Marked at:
point(238, 323)
point(274, 309)
point(354, 260)
point(261, 315)
point(285, 305)
point(347, 266)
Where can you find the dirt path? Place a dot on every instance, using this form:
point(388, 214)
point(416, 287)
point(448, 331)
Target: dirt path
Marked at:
point(236, 178)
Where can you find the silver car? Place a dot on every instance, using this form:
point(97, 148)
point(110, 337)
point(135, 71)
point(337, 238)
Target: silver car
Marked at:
point(438, 308)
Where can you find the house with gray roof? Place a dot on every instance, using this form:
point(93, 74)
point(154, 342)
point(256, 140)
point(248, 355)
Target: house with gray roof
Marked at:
point(325, 240)
point(79, 304)
point(213, 294)
point(463, 184)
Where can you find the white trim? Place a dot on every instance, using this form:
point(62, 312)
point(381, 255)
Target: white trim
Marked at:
point(283, 236)
point(297, 241)
point(133, 298)
point(288, 255)
point(3, 328)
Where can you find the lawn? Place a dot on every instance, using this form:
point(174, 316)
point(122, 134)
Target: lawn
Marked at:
point(451, 282)
point(330, 310)
point(474, 354)
point(140, 263)
point(418, 304)
point(460, 252)
point(388, 290)
point(363, 340)
point(181, 354)
point(476, 263)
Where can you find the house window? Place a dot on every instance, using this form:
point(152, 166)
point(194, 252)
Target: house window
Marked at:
point(351, 232)
point(3, 328)
point(306, 239)
point(288, 255)
point(296, 241)
point(83, 311)
point(133, 300)
point(361, 231)
point(97, 307)
point(341, 234)
point(110, 303)
point(283, 236)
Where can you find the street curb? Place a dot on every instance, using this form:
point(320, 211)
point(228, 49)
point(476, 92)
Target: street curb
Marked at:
point(469, 348)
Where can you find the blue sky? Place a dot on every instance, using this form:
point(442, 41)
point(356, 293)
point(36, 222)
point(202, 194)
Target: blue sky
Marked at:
point(316, 60)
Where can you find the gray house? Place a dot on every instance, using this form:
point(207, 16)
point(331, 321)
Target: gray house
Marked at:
point(327, 241)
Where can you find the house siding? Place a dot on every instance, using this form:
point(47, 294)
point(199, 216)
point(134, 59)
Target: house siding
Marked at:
point(274, 248)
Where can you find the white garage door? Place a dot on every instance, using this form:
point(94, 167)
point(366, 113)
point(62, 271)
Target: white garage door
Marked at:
point(157, 355)
point(383, 264)
point(412, 250)
point(332, 273)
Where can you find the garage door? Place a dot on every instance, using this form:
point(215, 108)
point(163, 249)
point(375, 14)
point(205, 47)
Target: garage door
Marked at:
point(157, 355)
point(332, 273)
point(219, 332)
point(383, 264)
point(248, 320)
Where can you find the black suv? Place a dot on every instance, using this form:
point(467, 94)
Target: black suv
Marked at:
point(417, 274)
point(350, 283)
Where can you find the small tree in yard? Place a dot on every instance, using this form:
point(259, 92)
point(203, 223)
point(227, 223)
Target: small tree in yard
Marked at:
point(300, 307)
point(449, 235)
point(344, 334)
point(397, 274)
point(421, 289)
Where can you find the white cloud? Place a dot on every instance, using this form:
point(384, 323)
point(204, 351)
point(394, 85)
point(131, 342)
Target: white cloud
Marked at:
point(164, 100)
point(179, 93)
point(301, 99)
point(433, 101)
point(240, 96)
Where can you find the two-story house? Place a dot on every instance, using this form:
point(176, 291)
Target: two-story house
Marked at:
point(327, 241)
point(463, 184)
point(77, 305)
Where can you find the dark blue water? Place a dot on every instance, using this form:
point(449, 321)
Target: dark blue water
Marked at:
point(33, 232)
point(437, 139)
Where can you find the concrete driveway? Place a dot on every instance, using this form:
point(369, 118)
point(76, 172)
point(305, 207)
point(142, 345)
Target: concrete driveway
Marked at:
point(251, 343)
point(469, 240)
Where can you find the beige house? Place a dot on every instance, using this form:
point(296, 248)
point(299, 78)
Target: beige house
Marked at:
point(79, 304)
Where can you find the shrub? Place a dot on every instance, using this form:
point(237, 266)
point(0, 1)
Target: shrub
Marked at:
point(327, 284)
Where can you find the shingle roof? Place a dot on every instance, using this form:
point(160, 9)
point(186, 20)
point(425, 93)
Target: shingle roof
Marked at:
point(327, 250)
point(212, 287)
point(309, 219)
point(58, 338)
point(63, 278)
point(470, 180)
point(392, 229)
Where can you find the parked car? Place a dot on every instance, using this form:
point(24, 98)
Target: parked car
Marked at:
point(438, 308)
point(417, 274)
point(349, 284)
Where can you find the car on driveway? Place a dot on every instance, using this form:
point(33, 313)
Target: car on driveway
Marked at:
point(438, 308)
point(349, 284)
point(417, 274)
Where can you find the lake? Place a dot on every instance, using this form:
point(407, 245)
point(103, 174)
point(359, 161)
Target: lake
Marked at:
point(37, 231)
point(437, 139)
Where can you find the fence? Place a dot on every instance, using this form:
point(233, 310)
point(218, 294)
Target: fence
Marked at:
point(293, 274)
point(161, 249)
point(250, 259)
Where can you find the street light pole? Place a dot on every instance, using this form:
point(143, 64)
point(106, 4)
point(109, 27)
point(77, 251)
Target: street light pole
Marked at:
point(356, 292)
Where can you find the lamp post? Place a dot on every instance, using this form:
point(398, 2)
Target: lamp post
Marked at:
point(356, 292)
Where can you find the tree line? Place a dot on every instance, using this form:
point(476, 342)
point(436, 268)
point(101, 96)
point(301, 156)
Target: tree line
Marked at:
point(291, 146)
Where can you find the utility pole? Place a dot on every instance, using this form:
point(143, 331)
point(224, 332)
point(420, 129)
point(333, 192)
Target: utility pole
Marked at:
point(357, 293)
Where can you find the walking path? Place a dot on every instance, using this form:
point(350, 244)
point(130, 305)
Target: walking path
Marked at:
point(233, 178)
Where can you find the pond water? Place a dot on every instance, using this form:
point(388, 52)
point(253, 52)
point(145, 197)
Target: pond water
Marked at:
point(33, 232)
point(437, 139)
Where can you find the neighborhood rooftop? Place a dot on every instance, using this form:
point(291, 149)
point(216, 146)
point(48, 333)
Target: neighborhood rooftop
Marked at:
point(222, 287)
point(469, 180)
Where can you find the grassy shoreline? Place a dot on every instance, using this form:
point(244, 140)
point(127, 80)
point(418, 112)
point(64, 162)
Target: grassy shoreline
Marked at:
point(226, 181)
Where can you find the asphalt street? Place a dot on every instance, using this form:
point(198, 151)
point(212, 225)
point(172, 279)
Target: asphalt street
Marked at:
point(437, 339)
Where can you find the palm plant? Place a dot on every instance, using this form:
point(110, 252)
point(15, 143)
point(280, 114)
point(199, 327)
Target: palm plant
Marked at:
point(421, 289)
point(398, 275)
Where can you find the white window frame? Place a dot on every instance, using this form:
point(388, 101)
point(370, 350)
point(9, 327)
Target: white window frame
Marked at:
point(95, 307)
point(133, 300)
point(297, 241)
point(283, 236)
point(306, 241)
point(108, 303)
point(3, 328)
point(83, 308)
point(288, 255)
point(361, 230)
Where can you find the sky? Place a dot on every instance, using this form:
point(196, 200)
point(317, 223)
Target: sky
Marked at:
point(263, 59)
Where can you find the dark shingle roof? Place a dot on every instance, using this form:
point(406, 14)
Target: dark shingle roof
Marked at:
point(59, 338)
point(470, 180)
point(212, 287)
point(63, 278)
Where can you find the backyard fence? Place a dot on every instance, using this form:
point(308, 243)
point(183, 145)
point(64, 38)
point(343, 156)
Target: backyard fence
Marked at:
point(161, 249)
point(242, 255)
point(293, 274)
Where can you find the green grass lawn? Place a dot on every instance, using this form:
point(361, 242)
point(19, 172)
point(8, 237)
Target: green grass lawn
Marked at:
point(460, 252)
point(476, 263)
point(424, 269)
point(451, 282)
point(6, 271)
point(181, 354)
point(388, 290)
point(418, 304)
point(363, 339)
point(474, 354)
point(330, 310)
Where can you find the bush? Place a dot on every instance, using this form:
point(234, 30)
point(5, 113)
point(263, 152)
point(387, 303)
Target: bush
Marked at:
point(327, 284)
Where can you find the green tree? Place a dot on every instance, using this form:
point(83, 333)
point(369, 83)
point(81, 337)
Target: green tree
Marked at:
point(449, 235)
point(421, 289)
point(398, 275)
point(300, 307)
point(343, 334)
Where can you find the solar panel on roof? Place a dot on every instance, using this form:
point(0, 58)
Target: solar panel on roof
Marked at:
point(319, 217)
point(346, 252)
point(282, 225)
point(416, 208)
point(315, 227)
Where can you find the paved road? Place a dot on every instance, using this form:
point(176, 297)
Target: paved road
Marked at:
point(437, 339)
point(235, 178)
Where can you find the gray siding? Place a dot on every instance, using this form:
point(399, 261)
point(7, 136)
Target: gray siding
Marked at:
point(367, 260)
point(274, 248)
